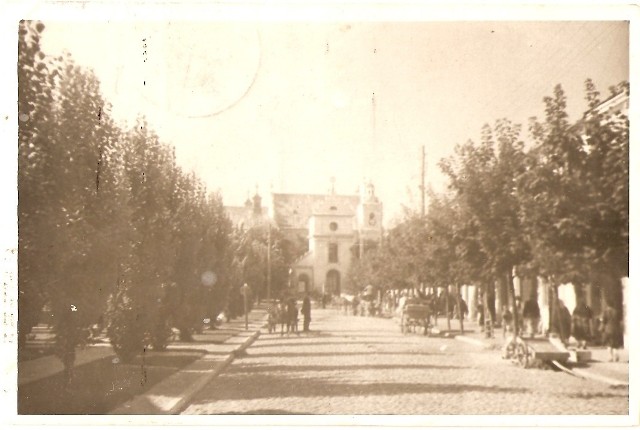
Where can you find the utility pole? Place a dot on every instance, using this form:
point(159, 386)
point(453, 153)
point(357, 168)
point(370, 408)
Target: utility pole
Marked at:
point(268, 261)
point(422, 173)
point(269, 244)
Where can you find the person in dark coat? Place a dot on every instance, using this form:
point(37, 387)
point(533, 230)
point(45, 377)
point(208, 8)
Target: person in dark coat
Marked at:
point(292, 313)
point(531, 316)
point(581, 324)
point(562, 322)
point(507, 321)
point(306, 313)
point(612, 335)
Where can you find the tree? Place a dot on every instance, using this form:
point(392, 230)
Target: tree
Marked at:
point(36, 82)
point(483, 178)
point(66, 148)
point(137, 314)
point(107, 220)
point(574, 195)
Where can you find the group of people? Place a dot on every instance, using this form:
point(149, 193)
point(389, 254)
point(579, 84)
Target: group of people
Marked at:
point(581, 325)
point(286, 314)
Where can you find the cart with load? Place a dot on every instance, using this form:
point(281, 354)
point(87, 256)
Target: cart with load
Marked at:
point(414, 316)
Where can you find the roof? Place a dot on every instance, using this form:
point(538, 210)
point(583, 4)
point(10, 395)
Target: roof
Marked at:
point(294, 210)
point(244, 215)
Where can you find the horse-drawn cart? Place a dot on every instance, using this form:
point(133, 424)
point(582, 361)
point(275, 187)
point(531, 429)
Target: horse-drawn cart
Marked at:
point(414, 316)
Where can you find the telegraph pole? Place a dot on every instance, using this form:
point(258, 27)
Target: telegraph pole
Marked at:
point(422, 173)
point(268, 261)
point(269, 244)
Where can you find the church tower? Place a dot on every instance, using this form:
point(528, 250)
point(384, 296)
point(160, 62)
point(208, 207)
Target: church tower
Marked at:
point(369, 214)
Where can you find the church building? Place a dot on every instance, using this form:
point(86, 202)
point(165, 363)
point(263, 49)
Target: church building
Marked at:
point(331, 224)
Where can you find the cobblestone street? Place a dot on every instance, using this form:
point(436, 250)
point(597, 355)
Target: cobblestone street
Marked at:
point(360, 365)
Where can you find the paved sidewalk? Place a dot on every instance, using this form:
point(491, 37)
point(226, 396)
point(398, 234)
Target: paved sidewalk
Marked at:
point(219, 346)
point(598, 368)
point(174, 393)
point(49, 365)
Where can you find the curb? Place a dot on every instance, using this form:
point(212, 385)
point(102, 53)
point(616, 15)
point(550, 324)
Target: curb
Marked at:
point(614, 383)
point(241, 349)
point(156, 401)
point(199, 385)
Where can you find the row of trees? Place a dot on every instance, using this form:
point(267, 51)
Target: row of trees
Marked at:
point(557, 207)
point(111, 229)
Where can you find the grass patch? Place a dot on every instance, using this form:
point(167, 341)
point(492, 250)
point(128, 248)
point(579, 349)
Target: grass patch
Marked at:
point(102, 385)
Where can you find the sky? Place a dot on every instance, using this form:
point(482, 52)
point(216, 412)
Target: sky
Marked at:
point(287, 106)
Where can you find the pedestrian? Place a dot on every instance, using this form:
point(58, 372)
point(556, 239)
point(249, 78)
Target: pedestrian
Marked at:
point(480, 317)
point(355, 305)
point(531, 316)
point(507, 321)
point(464, 309)
point(612, 332)
point(562, 322)
point(306, 312)
point(292, 314)
point(581, 323)
point(283, 317)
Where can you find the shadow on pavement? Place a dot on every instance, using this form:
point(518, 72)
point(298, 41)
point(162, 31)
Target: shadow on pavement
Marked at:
point(256, 386)
point(307, 344)
point(337, 353)
point(345, 367)
point(276, 335)
point(265, 412)
point(597, 395)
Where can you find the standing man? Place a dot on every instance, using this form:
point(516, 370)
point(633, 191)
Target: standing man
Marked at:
point(306, 312)
point(531, 316)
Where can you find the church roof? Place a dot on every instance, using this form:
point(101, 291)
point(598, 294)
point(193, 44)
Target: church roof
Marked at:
point(294, 210)
point(243, 215)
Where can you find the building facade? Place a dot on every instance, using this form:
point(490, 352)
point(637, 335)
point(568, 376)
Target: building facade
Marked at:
point(332, 226)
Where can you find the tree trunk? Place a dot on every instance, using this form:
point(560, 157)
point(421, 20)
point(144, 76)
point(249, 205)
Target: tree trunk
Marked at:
point(512, 291)
point(446, 305)
point(555, 325)
point(488, 318)
point(460, 313)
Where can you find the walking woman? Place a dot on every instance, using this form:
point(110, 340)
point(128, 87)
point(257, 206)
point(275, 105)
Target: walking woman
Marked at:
point(612, 332)
point(581, 323)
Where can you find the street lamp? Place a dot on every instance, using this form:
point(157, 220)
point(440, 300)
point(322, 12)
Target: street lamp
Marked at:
point(244, 290)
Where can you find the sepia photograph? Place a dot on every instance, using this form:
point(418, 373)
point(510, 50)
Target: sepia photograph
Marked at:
point(340, 215)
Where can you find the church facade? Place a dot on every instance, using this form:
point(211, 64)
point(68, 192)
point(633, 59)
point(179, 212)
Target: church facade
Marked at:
point(332, 225)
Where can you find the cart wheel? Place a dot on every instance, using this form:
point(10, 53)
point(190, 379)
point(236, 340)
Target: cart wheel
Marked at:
point(508, 351)
point(522, 354)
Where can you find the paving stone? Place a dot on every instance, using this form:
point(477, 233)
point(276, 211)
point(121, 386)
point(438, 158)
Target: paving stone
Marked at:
point(360, 365)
